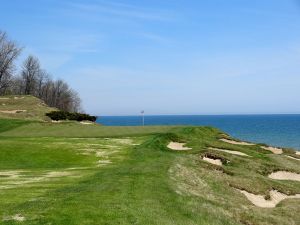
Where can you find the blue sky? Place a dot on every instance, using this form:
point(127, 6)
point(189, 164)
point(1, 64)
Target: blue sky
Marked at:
point(166, 56)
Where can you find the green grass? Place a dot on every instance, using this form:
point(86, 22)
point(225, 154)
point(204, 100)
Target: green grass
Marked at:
point(127, 175)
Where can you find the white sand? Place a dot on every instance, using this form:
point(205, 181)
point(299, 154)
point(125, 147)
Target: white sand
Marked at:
point(177, 146)
point(297, 153)
point(236, 142)
point(276, 151)
point(229, 151)
point(275, 198)
point(284, 175)
point(291, 157)
point(213, 161)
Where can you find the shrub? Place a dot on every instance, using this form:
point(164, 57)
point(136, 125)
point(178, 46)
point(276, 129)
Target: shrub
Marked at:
point(62, 115)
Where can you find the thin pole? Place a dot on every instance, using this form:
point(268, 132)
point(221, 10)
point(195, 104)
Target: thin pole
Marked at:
point(143, 117)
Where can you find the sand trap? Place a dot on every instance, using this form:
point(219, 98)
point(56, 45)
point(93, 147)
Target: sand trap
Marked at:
point(275, 198)
point(56, 121)
point(229, 151)
point(276, 151)
point(284, 175)
point(177, 146)
point(291, 157)
point(87, 123)
point(19, 97)
point(236, 142)
point(217, 162)
point(13, 111)
point(16, 217)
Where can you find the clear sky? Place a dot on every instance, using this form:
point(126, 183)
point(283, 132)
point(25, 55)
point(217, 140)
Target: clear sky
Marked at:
point(166, 56)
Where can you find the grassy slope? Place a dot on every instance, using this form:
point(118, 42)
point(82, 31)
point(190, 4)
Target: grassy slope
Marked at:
point(143, 183)
point(35, 108)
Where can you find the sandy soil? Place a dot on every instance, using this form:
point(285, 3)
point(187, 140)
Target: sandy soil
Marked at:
point(229, 151)
point(284, 175)
point(213, 161)
point(276, 151)
point(236, 142)
point(298, 153)
point(13, 111)
point(275, 198)
point(177, 146)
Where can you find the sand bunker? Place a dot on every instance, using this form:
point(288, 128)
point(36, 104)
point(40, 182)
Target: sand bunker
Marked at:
point(276, 151)
point(13, 111)
point(19, 97)
point(229, 151)
point(177, 146)
point(284, 175)
point(86, 123)
point(236, 142)
point(291, 157)
point(275, 198)
point(217, 162)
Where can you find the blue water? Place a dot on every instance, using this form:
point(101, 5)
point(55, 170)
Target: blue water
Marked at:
point(276, 130)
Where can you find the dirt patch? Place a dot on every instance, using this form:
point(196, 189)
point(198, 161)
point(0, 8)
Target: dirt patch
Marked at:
point(13, 111)
point(177, 146)
point(236, 142)
point(276, 151)
point(17, 217)
point(217, 162)
point(229, 151)
point(284, 175)
point(275, 198)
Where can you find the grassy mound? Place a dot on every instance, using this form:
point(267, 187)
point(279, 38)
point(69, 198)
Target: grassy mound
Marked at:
point(75, 174)
point(23, 107)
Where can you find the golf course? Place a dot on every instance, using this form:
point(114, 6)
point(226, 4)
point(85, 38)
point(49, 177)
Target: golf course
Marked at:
point(79, 173)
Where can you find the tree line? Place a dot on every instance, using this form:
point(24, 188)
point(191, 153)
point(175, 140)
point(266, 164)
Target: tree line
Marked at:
point(32, 79)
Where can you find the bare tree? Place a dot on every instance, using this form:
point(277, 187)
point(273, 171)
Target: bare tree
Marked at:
point(9, 51)
point(30, 72)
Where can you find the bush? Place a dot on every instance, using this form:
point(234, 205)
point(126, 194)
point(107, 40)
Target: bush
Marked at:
point(62, 115)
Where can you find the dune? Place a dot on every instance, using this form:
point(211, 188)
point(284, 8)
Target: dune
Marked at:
point(235, 142)
point(177, 146)
point(284, 175)
point(275, 198)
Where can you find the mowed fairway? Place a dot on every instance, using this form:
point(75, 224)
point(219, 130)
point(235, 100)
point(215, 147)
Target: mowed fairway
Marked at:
point(71, 173)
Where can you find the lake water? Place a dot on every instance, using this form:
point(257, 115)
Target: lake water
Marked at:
point(277, 130)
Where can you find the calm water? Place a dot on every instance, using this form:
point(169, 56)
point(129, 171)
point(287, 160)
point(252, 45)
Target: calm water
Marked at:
point(277, 130)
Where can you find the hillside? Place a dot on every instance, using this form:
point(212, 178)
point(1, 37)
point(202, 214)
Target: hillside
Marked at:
point(73, 174)
point(23, 107)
